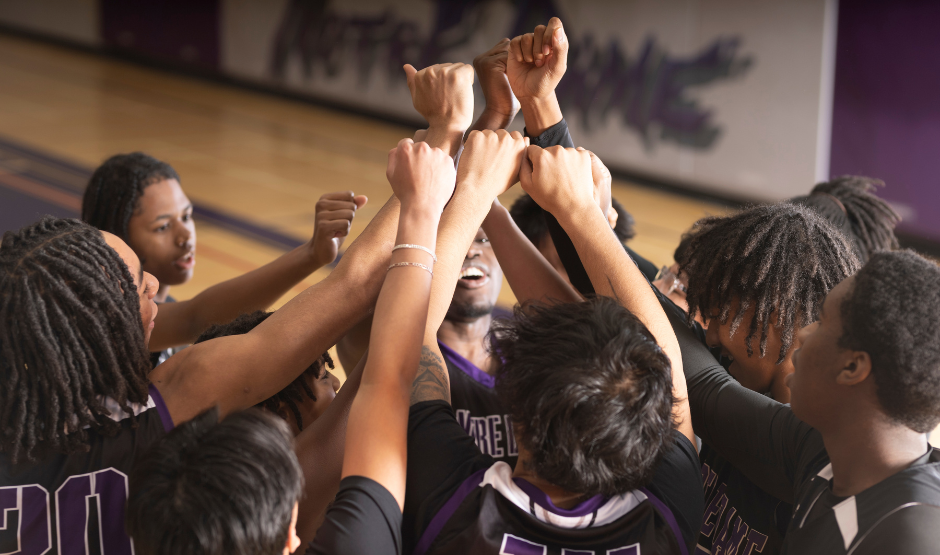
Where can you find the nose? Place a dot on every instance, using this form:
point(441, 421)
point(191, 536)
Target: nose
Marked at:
point(184, 236)
point(335, 381)
point(153, 285)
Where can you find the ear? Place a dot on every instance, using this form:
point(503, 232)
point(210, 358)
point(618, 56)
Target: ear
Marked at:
point(293, 541)
point(856, 370)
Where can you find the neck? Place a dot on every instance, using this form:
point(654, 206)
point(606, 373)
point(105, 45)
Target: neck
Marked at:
point(162, 293)
point(868, 449)
point(561, 498)
point(467, 338)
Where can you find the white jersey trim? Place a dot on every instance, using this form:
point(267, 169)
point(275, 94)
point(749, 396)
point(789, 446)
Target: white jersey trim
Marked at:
point(499, 477)
point(847, 518)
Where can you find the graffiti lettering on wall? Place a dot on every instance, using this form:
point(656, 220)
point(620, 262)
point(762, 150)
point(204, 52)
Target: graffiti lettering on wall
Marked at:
point(649, 92)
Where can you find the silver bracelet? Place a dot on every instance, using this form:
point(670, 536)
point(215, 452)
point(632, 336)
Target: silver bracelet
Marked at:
point(419, 247)
point(415, 264)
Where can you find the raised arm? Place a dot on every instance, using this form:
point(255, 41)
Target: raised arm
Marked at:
point(376, 435)
point(488, 167)
point(181, 322)
point(237, 372)
point(561, 181)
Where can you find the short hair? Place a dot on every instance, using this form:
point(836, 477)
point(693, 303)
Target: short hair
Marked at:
point(780, 259)
point(114, 190)
point(295, 391)
point(589, 391)
point(893, 314)
point(216, 488)
point(849, 203)
point(530, 218)
point(70, 337)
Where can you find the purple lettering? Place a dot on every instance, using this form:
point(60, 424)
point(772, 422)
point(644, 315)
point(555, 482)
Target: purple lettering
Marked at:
point(511, 449)
point(34, 533)
point(495, 435)
point(755, 541)
point(731, 537)
point(481, 436)
point(108, 490)
point(518, 546)
point(463, 418)
point(715, 508)
point(628, 550)
point(708, 478)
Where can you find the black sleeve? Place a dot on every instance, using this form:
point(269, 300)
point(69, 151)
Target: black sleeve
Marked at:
point(646, 267)
point(364, 518)
point(909, 531)
point(678, 483)
point(758, 435)
point(440, 457)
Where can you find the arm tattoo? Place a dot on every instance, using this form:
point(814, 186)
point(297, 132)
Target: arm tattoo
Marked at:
point(432, 382)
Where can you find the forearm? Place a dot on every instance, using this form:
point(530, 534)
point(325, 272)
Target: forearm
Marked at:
point(182, 322)
point(493, 120)
point(530, 276)
point(540, 113)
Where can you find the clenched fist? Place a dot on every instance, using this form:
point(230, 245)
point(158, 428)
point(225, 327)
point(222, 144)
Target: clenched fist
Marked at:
point(443, 94)
point(559, 179)
point(537, 61)
point(334, 216)
point(490, 67)
point(491, 160)
point(421, 175)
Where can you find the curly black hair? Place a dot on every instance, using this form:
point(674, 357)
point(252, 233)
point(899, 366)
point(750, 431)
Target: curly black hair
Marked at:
point(70, 336)
point(589, 391)
point(891, 313)
point(114, 190)
point(850, 204)
point(216, 487)
point(779, 259)
point(294, 392)
point(530, 218)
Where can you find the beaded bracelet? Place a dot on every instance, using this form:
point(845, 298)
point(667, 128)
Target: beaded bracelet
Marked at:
point(415, 264)
point(419, 247)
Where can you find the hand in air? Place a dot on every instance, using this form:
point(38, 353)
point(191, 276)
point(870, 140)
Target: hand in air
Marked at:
point(559, 179)
point(491, 160)
point(420, 175)
point(334, 216)
point(601, 176)
point(538, 60)
point(490, 67)
point(443, 94)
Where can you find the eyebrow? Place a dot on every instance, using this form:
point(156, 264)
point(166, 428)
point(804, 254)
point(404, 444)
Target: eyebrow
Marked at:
point(168, 216)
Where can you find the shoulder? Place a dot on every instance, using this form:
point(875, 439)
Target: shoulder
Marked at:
point(364, 518)
point(677, 486)
point(908, 529)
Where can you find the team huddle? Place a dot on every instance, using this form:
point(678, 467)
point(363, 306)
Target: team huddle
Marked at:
point(772, 392)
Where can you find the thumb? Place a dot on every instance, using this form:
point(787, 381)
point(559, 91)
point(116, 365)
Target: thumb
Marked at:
point(559, 57)
point(410, 72)
point(525, 171)
point(360, 201)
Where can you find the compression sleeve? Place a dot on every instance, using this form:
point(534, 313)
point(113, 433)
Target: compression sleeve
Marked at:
point(758, 435)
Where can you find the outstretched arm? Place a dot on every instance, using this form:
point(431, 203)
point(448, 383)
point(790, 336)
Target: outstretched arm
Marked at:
point(560, 180)
point(238, 372)
point(181, 322)
point(376, 435)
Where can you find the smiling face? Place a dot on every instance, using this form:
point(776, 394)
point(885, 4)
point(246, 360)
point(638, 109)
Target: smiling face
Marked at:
point(163, 234)
point(819, 359)
point(480, 281)
point(146, 284)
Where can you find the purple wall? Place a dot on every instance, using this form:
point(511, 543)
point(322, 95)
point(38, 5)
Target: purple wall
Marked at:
point(886, 113)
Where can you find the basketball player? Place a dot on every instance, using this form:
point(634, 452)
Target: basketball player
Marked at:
point(139, 199)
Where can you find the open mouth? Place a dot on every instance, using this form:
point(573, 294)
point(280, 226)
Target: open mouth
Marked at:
point(472, 277)
point(186, 262)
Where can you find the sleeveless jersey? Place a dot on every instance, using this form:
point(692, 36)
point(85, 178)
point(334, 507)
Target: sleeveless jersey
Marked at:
point(478, 408)
point(492, 513)
point(74, 504)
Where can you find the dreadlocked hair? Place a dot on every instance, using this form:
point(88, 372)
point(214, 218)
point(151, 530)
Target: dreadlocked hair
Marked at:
point(850, 204)
point(295, 391)
point(114, 190)
point(778, 259)
point(70, 338)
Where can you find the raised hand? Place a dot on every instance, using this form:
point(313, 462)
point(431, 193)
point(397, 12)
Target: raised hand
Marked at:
point(334, 216)
point(443, 94)
point(559, 179)
point(537, 61)
point(490, 67)
point(421, 176)
point(491, 160)
point(601, 176)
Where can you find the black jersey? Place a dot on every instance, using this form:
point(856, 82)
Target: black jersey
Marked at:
point(478, 408)
point(74, 504)
point(363, 519)
point(787, 458)
point(459, 500)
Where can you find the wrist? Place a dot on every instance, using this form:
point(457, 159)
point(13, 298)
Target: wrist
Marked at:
point(578, 214)
point(540, 113)
point(496, 214)
point(445, 137)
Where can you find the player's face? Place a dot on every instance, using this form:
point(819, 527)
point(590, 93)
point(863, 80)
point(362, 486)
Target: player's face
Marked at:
point(813, 389)
point(324, 389)
point(755, 372)
point(146, 284)
point(481, 278)
point(163, 234)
